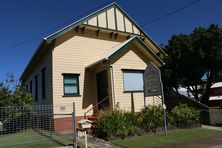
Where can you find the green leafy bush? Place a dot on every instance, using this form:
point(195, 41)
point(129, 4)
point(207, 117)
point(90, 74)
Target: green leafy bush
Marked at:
point(151, 117)
point(115, 123)
point(132, 120)
point(184, 113)
point(170, 120)
point(119, 123)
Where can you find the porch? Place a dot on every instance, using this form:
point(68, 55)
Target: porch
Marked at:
point(118, 77)
point(103, 91)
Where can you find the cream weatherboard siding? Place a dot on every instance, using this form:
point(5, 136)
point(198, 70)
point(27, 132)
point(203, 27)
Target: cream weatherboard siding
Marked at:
point(107, 39)
point(44, 61)
point(131, 59)
point(111, 20)
point(120, 21)
point(72, 53)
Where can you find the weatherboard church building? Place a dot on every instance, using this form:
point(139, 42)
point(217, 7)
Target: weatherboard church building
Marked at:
point(96, 62)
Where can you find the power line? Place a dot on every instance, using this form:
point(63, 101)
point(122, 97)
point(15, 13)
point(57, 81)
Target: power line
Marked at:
point(66, 22)
point(52, 29)
point(170, 13)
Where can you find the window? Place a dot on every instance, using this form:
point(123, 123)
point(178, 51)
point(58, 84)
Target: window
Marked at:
point(36, 88)
point(27, 88)
point(43, 83)
point(133, 80)
point(30, 86)
point(71, 84)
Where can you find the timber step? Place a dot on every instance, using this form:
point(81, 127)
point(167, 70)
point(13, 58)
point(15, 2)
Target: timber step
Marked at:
point(92, 118)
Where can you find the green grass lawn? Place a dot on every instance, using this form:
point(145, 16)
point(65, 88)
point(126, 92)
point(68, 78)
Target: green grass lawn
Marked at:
point(31, 138)
point(172, 137)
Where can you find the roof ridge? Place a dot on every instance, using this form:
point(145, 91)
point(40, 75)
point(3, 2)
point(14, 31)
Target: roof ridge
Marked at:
point(80, 21)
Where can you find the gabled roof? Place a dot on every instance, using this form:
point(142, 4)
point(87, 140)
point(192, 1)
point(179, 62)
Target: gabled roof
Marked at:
point(117, 9)
point(117, 49)
point(86, 21)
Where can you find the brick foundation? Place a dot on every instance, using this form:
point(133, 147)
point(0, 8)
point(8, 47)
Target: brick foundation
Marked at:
point(62, 125)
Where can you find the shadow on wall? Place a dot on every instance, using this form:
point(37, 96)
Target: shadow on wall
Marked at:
point(89, 90)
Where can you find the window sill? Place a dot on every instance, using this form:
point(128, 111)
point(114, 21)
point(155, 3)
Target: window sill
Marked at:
point(71, 96)
point(136, 91)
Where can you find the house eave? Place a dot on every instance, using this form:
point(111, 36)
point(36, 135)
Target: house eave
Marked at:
point(122, 46)
point(50, 38)
point(43, 42)
point(97, 62)
point(143, 32)
point(75, 24)
point(80, 22)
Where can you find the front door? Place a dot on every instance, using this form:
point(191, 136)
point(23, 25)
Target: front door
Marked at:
point(102, 89)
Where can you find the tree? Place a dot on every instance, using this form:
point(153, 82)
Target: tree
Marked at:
point(14, 105)
point(13, 94)
point(192, 56)
point(209, 43)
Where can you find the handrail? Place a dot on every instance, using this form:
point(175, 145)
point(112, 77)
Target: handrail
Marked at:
point(95, 106)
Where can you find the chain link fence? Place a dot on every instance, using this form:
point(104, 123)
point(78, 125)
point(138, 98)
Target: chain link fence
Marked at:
point(36, 126)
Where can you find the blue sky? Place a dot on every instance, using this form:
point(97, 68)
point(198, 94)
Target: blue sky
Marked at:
point(25, 19)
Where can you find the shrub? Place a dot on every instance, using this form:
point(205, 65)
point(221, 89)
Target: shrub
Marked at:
point(132, 120)
point(183, 113)
point(151, 118)
point(103, 126)
point(115, 123)
point(170, 120)
point(119, 123)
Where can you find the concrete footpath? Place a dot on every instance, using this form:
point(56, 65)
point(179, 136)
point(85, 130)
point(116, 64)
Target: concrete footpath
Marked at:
point(212, 127)
point(94, 142)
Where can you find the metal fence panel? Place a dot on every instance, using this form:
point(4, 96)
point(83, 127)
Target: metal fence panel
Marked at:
point(34, 126)
point(215, 116)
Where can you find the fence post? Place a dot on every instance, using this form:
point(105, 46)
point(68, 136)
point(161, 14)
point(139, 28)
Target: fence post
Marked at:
point(74, 126)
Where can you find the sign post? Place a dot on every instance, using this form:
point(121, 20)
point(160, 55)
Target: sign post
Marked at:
point(74, 126)
point(164, 106)
point(153, 86)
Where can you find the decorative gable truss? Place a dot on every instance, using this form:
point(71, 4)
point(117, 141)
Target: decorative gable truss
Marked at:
point(113, 18)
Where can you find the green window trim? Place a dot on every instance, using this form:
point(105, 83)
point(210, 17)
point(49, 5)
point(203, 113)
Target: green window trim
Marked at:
point(30, 86)
point(43, 84)
point(70, 84)
point(36, 88)
point(27, 87)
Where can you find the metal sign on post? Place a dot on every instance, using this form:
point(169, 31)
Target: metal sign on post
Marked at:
point(74, 126)
point(152, 81)
point(153, 86)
